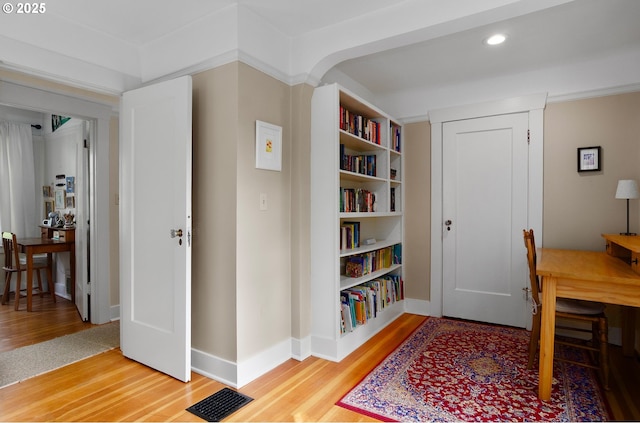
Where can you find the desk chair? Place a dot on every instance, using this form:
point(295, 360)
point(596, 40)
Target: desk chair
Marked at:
point(575, 310)
point(15, 262)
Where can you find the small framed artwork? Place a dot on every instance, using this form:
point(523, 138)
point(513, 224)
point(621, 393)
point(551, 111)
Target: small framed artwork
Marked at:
point(589, 159)
point(48, 208)
point(71, 184)
point(46, 191)
point(268, 146)
point(60, 199)
point(70, 202)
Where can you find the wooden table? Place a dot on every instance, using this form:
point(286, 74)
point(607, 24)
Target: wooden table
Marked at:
point(626, 248)
point(582, 275)
point(31, 246)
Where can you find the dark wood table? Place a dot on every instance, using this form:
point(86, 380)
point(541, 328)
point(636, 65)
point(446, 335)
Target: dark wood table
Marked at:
point(31, 246)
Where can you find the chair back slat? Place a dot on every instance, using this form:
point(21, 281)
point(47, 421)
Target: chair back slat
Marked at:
point(530, 243)
point(11, 253)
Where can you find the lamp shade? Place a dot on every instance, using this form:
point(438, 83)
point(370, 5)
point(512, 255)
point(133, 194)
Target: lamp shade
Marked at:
point(627, 189)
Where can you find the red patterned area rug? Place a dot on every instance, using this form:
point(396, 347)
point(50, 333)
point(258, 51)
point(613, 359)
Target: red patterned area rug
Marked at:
point(450, 370)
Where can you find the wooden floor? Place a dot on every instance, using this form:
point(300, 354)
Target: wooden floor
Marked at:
point(48, 320)
point(109, 387)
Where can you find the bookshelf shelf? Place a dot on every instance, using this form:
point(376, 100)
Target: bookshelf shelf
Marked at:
point(356, 180)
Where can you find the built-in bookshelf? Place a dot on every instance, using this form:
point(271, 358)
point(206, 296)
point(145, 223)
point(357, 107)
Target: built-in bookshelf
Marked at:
point(357, 222)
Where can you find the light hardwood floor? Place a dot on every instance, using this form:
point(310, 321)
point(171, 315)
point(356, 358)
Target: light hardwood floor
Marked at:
point(109, 387)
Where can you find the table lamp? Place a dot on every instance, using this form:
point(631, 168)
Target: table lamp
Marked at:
point(627, 190)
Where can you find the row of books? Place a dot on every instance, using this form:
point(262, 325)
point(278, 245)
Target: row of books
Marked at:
point(363, 264)
point(349, 235)
point(395, 138)
point(362, 303)
point(356, 200)
point(360, 126)
point(364, 164)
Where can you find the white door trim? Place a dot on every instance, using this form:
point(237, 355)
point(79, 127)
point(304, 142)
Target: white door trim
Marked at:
point(534, 105)
point(22, 96)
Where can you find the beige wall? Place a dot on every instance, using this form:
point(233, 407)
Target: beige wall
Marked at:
point(300, 210)
point(579, 207)
point(242, 265)
point(215, 151)
point(417, 180)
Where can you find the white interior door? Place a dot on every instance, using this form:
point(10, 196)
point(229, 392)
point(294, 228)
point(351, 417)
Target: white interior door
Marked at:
point(484, 211)
point(155, 226)
point(82, 231)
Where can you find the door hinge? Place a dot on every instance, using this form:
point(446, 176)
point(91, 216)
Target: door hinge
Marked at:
point(528, 136)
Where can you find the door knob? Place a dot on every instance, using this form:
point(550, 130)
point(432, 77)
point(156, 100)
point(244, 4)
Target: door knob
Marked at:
point(175, 233)
point(448, 223)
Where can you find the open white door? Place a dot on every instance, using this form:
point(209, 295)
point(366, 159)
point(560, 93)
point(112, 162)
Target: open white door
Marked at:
point(82, 231)
point(155, 226)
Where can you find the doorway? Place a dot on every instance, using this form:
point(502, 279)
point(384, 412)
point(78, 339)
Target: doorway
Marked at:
point(532, 105)
point(41, 100)
point(485, 207)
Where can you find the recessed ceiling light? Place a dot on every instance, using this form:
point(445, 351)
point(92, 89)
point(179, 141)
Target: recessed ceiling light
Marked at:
point(496, 39)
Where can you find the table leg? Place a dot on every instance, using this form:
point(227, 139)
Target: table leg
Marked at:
point(547, 334)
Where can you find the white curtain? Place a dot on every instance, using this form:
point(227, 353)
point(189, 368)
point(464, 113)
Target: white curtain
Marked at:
point(17, 180)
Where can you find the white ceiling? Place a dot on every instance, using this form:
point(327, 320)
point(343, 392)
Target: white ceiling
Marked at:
point(409, 56)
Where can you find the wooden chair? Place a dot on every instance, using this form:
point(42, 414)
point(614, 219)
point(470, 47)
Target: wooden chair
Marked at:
point(576, 310)
point(14, 262)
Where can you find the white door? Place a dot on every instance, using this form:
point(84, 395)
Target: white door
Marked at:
point(484, 212)
point(155, 226)
point(82, 231)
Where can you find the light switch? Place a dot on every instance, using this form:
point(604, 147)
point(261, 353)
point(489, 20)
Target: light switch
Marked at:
point(263, 201)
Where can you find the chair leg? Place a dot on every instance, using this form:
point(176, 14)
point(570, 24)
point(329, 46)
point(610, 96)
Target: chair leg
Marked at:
point(39, 283)
point(52, 289)
point(7, 288)
point(16, 305)
point(535, 337)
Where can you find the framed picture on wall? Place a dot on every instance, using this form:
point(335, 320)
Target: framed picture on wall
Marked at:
point(268, 146)
point(48, 208)
point(60, 199)
point(589, 159)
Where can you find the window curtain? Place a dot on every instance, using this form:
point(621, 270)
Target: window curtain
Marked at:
point(17, 180)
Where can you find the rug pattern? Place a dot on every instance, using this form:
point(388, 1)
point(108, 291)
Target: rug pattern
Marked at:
point(450, 370)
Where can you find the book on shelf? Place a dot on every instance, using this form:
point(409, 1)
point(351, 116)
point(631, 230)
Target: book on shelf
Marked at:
point(363, 264)
point(349, 235)
point(395, 138)
point(392, 202)
point(360, 126)
point(362, 303)
point(364, 164)
point(354, 200)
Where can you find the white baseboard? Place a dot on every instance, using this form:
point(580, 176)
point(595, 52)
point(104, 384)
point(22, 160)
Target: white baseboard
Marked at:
point(237, 375)
point(413, 306)
point(301, 348)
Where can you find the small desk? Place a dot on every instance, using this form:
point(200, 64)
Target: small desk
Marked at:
point(31, 246)
point(582, 275)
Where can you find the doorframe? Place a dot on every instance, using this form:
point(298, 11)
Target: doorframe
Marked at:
point(534, 105)
point(42, 100)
